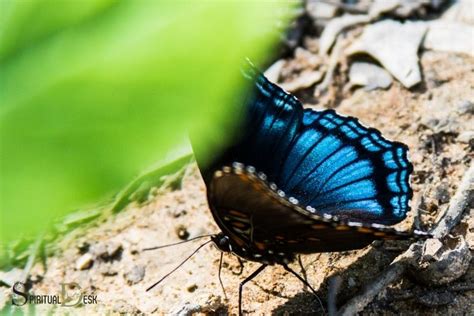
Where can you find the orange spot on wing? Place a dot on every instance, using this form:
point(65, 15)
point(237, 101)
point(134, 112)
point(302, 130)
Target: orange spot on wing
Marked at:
point(364, 230)
point(238, 224)
point(237, 213)
point(318, 226)
point(342, 228)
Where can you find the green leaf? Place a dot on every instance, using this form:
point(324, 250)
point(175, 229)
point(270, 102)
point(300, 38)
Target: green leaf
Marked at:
point(92, 94)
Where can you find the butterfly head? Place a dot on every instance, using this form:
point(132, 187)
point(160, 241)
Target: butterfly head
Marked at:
point(222, 242)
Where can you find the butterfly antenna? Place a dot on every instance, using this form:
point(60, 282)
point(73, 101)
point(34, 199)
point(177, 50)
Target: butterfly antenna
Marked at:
point(184, 261)
point(178, 243)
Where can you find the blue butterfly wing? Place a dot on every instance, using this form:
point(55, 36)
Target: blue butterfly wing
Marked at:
point(324, 160)
point(337, 166)
point(273, 115)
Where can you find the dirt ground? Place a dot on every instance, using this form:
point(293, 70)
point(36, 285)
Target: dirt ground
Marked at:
point(107, 259)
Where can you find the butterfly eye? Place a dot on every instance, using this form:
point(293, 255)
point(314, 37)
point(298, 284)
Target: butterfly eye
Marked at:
point(222, 242)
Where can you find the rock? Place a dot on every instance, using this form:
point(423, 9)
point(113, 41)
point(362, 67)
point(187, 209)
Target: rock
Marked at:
point(441, 124)
point(465, 137)
point(432, 246)
point(304, 80)
point(107, 251)
point(369, 75)
point(307, 59)
point(123, 307)
point(465, 107)
point(320, 11)
point(445, 265)
point(461, 11)
point(336, 26)
point(186, 309)
point(395, 46)
point(273, 72)
point(212, 306)
point(84, 262)
point(450, 36)
point(380, 7)
point(442, 192)
point(351, 282)
point(135, 275)
point(191, 287)
point(107, 269)
point(399, 8)
point(182, 232)
point(436, 298)
point(179, 211)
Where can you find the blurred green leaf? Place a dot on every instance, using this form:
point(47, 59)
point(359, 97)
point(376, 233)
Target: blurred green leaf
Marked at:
point(93, 92)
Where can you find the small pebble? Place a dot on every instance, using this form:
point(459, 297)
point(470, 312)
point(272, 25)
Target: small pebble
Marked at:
point(191, 288)
point(107, 269)
point(113, 249)
point(369, 75)
point(135, 275)
point(442, 192)
point(432, 246)
point(179, 211)
point(465, 107)
point(182, 232)
point(107, 251)
point(84, 262)
point(351, 282)
point(465, 137)
point(449, 263)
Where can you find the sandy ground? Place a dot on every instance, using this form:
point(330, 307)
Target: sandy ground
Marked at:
point(432, 120)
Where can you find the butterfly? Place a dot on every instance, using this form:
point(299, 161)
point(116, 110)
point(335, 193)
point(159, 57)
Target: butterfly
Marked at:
point(300, 181)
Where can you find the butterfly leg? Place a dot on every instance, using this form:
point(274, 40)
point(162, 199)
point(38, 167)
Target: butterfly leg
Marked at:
point(219, 275)
point(249, 278)
point(287, 268)
point(241, 265)
point(303, 270)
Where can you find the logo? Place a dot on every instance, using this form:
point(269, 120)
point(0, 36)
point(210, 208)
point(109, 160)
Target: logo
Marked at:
point(70, 295)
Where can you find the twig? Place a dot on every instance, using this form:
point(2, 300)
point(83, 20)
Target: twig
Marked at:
point(333, 62)
point(334, 285)
point(396, 269)
point(457, 205)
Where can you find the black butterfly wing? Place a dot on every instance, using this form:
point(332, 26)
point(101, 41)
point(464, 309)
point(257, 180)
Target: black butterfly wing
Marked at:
point(257, 216)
